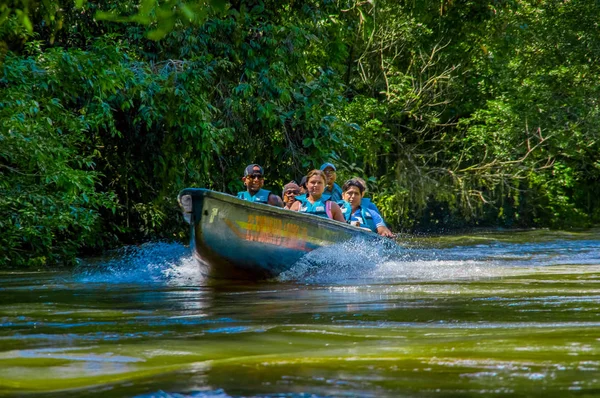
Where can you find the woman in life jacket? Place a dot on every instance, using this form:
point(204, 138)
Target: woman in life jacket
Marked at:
point(358, 215)
point(314, 203)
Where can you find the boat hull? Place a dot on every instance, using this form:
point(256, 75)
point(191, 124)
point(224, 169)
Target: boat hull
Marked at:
point(236, 239)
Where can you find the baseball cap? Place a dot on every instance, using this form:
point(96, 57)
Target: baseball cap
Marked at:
point(250, 170)
point(326, 165)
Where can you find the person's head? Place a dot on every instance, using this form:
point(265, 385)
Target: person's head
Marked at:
point(352, 192)
point(290, 191)
point(254, 178)
point(364, 183)
point(303, 185)
point(315, 183)
point(330, 172)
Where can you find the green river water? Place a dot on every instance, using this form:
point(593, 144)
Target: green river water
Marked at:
point(485, 315)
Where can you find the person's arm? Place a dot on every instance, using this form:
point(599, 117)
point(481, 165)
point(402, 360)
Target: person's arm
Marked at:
point(336, 213)
point(275, 200)
point(385, 231)
point(373, 206)
point(380, 225)
point(296, 206)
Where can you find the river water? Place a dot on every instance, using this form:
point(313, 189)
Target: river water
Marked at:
point(485, 314)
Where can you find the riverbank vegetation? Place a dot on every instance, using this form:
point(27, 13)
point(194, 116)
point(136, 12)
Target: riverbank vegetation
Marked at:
point(460, 113)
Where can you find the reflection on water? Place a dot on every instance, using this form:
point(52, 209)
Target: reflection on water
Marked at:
point(482, 315)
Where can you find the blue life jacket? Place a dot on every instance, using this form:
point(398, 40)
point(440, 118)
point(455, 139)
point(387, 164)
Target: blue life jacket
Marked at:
point(367, 204)
point(366, 218)
point(262, 196)
point(335, 194)
point(346, 209)
point(319, 208)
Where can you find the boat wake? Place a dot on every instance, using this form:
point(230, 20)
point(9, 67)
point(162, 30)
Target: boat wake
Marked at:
point(361, 262)
point(355, 261)
point(155, 262)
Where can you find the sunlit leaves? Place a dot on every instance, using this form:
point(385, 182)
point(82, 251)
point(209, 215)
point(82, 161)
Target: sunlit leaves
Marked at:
point(160, 16)
point(163, 16)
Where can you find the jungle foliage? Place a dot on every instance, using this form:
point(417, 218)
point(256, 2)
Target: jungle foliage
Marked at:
point(461, 113)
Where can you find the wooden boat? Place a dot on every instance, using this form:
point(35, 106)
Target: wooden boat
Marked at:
point(237, 239)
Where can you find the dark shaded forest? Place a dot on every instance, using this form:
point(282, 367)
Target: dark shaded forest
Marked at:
point(459, 113)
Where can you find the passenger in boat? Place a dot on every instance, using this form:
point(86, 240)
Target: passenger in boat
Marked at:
point(357, 214)
point(302, 195)
point(290, 191)
point(315, 202)
point(254, 180)
point(303, 186)
point(366, 202)
point(332, 189)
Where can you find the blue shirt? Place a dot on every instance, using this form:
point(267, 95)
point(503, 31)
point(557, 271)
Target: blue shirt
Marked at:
point(335, 194)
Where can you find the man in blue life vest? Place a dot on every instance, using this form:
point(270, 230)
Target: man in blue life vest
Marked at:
point(332, 191)
point(254, 180)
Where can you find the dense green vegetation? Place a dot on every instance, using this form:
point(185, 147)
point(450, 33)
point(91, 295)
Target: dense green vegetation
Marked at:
point(461, 113)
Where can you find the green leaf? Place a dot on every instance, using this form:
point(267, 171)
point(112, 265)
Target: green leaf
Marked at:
point(27, 22)
point(218, 5)
point(157, 34)
point(4, 15)
point(187, 12)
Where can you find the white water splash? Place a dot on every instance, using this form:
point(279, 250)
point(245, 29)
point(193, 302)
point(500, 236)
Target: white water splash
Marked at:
point(360, 262)
point(348, 261)
point(199, 394)
point(155, 262)
point(351, 262)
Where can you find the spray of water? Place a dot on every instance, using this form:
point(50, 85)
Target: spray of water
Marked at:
point(200, 394)
point(361, 262)
point(156, 262)
point(358, 261)
point(353, 262)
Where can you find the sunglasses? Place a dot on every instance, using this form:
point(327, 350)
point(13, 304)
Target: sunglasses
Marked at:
point(255, 177)
point(288, 193)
